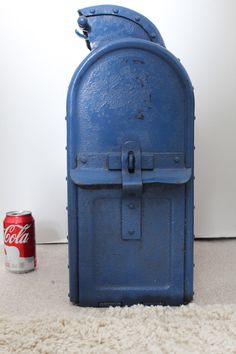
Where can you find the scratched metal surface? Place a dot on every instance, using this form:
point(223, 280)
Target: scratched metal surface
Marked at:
point(130, 223)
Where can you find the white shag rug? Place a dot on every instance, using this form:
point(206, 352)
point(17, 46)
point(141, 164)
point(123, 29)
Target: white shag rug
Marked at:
point(137, 329)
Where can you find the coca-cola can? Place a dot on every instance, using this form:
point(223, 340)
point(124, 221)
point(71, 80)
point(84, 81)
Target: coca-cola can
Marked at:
point(19, 241)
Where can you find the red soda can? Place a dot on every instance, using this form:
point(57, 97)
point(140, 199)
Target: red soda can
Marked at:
point(19, 241)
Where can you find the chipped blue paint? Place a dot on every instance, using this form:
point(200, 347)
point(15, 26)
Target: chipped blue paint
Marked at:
point(130, 114)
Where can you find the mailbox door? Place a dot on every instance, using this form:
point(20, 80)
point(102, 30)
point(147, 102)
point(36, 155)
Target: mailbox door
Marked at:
point(114, 270)
point(130, 133)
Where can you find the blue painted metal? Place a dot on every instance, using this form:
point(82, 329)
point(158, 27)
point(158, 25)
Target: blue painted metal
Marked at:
point(132, 187)
point(130, 126)
point(105, 23)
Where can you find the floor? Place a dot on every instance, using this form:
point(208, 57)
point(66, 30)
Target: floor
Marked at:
point(46, 289)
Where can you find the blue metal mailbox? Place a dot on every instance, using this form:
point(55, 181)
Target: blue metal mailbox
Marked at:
point(130, 142)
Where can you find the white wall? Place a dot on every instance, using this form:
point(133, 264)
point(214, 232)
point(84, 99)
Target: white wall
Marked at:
point(39, 52)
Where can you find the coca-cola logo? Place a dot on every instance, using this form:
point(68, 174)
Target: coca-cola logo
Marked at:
point(16, 234)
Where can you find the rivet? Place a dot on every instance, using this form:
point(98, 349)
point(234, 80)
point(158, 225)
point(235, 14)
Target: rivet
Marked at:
point(177, 159)
point(131, 232)
point(131, 206)
point(92, 11)
point(153, 35)
point(137, 19)
point(82, 22)
point(83, 159)
point(115, 11)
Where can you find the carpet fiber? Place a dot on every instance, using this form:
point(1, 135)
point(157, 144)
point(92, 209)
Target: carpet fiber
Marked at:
point(138, 329)
point(36, 315)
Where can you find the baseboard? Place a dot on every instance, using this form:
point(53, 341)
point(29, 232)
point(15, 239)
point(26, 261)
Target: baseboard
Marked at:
point(64, 242)
point(215, 238)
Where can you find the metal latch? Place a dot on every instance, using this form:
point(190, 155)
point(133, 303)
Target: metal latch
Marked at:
point(131, 162)
point(131, 190)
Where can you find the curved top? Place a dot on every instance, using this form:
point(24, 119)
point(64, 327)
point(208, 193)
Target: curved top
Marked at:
point(102, 22)
point(127, 86)
point(131, 43)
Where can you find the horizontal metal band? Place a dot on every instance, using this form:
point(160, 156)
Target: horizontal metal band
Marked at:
point(96, 176)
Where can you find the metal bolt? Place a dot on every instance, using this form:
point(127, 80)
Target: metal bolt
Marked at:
point(137, 19)
point(83, 159)
point(131, 232)
point(131, 206)
point(115, 11)
point(92, 11)
point(82, 22)
point(176, 159)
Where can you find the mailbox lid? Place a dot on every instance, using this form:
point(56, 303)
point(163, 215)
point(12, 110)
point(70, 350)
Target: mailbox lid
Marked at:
point(106, 23)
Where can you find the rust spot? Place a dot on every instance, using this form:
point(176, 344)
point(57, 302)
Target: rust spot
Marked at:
point(138, 61)
point(140, 116)
point(140, 81)
point(125, 60)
